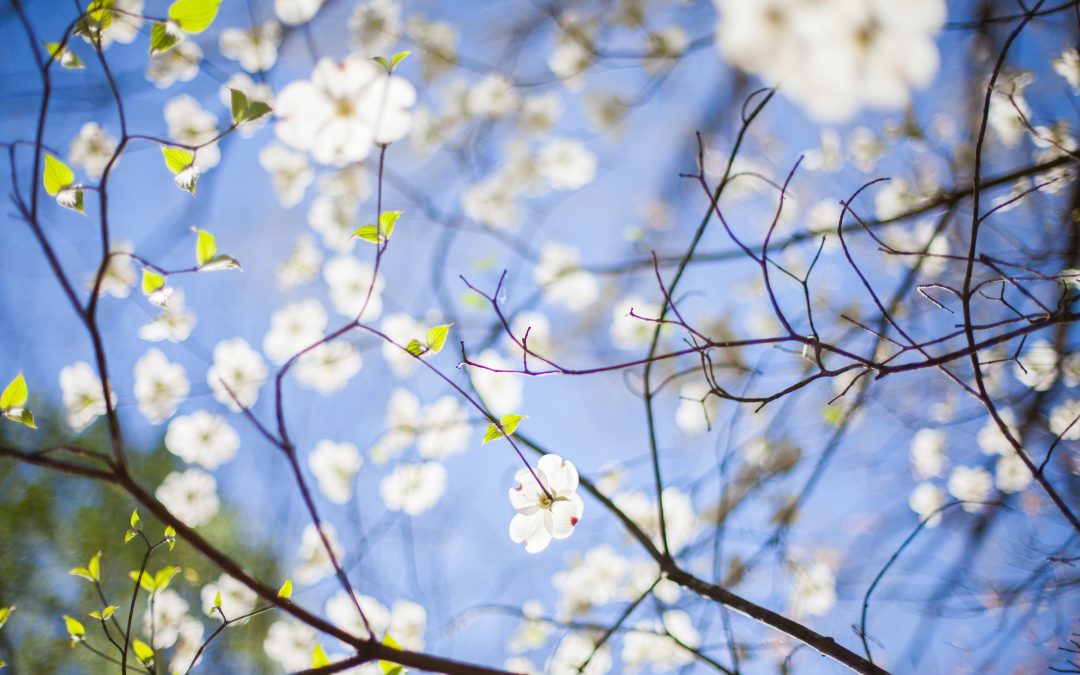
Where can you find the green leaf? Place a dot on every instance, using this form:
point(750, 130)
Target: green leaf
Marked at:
point(194, 16)
point(239, 105)
point(176, 159)
point(143, 651)
point(170, 536)
point(74, 627)
point(387, 221)
point(5, 614)
point(382, 62)
point(57, 175)
point(415, 347)
point(319, 659)
point(436, 337)
point(205, 247)
point(152, 281)
point(145, 581)
point(285, 592)
point(398, 58)
point(388, 667)
point(509, 424)
point(217, 600)
point(369, 233)
point(26, 418)
point(81, 572)
point(105, 614)
point(15, 394)
point(94, 566)
point(164, 576)
point(135, 521)
point(220, 262)
point(255, 110)
point(161, 39)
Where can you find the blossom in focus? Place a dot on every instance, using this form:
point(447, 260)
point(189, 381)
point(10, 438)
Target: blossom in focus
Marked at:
point(547, 504)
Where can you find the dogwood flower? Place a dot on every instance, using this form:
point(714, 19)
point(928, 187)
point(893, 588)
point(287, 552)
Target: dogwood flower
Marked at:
point(190, 495)
point(256, 48)
point(290, 173)
point(928, 453)
point(328, 367)
point(591, 580)
point(181, 63)
point(444, 429)
point(1039, 369)
point(335, 465)
point(301, 266)
point(649, 647)
point(202, 438)
point(1064, 422)
point(315, 562)
point(237, 374)
point(400, 328)
point(573, 651)
point(290, 643)
point(564, 283)
point(83, 395)
point(1011, 474)
point(414, 488)
point(294, 327)
point(190, 124)
point(924, 500)
point(503, 393)
point(970, 484)
point(92, 149)
point(633, 332)
point(349, 281)
point(174, 323)
point(547, 504)
point(814, 588)
point(160, 386)
point(169, 610)
point(375, 26)
point(344, 110)
point(679, 516)
point(119, 274)
point(566, 164)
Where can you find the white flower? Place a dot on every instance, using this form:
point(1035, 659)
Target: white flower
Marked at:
point(444, 430)
point(834, 57)
point(328, 367)
point(697, 409)
point(255, 48)
point(679, 517)
point(575, 48)
point(124, 26)
point(539, 113)
point(334, 218)
point(202, 438)
point(502, 393)
point(813, 590)
point(236, 598)
point(413, 488)
point(492, 96)
point(1007, 104)
point(1067, 65)
point(174, 323)
point(375, 26)
point(402, 421)
point(92, 149)
point(401, 328)
point(491, 202)
point(593, 580)
point(344, 110)
point(190, 124)
point(564, 283)
point(605, 111)
point(1064, 422)
point(990, 438)
point(408, 622)
point(181, 63)
point(169, 612)
point(533, 632)
point(290, 173)
point(160, 386)
point(664, 47)
point(928, 452)
point(294, 327)
point(538, 328)
point(315, 562)
point(294, 13)
point(83, 396)
point(341, 609)
point(1038, 366)
point(438, 45)
point(119, 274)
point(349, 281)
point(573, 650)
point(648, 647)
point(237, 374)
point(301, 266)
point(546, 502)
point(335, 465)
point(288, 641)
point(1011, 474)
point(631, 332)
point(191, 496)
point(925, 500)
point(970, 484)
point(187, 645)
point(566, 164)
